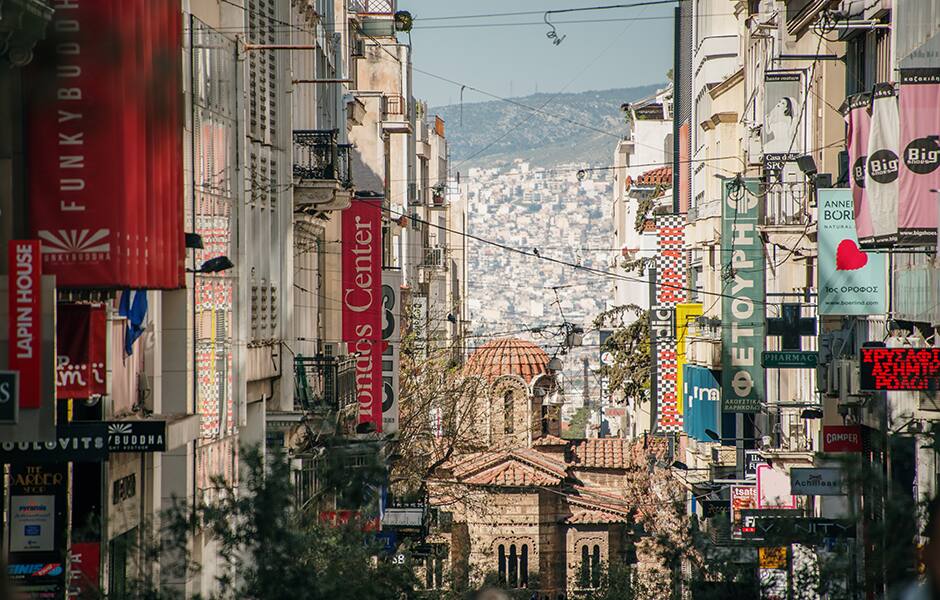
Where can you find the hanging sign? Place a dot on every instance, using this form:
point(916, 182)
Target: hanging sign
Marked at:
point(742, 302)
point(815, 482)
point(391, 341)
point(669, 291)
point(782, 132)
point(9, 397)
point(362, 302)
point(842, 438)
point(919, 175)
point(881, 175)
point(899, 369)
point(24, 350)
point(851, 281)
point(136, 436)
point(81, 346)
point(858, 124)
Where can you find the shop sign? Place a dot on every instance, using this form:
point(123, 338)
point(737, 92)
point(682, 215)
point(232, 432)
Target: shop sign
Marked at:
point(85, 569)
point(752, 459)
point(24, 299)
point(32, 523)
point(37, 525)
point(743, 497)
point(124, 488)
point(362, 302)
point(815, 482)
point(80, 347)
point(782, 133)
point(773, 488)
point(403, 517)
point(136, 436)
point(74, 442)
point(391, 350)
point(919, 174)
point(784, 359)
point(669, 292)
point(881, 170)
point(842, 438)
point(851, 281)
point(789, 526)
point(772, 558)
point(9, 401)
point(899, 369)
point(742, 302)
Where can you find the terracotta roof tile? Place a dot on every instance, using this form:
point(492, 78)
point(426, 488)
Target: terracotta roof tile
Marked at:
point(507, 356)
point(550, 440)
point(657, 176)
point(602, 453)
point(515, 474)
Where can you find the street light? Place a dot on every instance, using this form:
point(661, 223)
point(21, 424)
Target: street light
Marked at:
point(684, 467)
point(214, 265)
point(812, 413)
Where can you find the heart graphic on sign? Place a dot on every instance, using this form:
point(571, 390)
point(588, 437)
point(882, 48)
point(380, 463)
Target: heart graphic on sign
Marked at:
point(849, 257)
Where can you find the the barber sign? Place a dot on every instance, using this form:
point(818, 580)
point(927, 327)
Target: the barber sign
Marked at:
point(842, 438)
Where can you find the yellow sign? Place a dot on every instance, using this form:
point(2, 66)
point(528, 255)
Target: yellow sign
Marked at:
point(684, 314)
point(772, 558)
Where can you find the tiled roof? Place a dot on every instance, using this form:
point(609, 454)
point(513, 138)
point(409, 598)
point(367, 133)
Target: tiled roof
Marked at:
point(601, 453)
point(515, 474)
point(657, 176)
point(592, 506)
point(550, 440)
point(588, 516)
point(507, 356)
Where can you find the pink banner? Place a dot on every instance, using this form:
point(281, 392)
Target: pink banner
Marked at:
point(920, 160)
point(858, 122)
point(362, 302)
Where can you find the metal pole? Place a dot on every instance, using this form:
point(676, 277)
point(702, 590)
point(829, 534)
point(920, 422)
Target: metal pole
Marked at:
point(321, 81)
point(249, 47)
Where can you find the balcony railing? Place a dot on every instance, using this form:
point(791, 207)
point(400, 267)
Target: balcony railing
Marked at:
point(372, 7)
point(786, 204)
point(324, 383)
point(317, 156)
point(393, 107)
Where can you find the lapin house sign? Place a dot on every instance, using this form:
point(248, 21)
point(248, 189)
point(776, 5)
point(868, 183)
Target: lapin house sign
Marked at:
point(362, 302)
point(25, 315)
point(105, 179)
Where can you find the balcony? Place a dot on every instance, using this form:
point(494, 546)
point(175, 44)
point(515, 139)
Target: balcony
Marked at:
point(786, 205)
point(372, 7)
point(703, 343)
point(435, 258)
point(322, 179)
point(324, 384)
point(395, 114)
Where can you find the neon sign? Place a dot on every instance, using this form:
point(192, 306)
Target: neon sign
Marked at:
point(900, 369)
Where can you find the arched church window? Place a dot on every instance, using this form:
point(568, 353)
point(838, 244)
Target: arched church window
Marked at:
point(524, 566)
point(501, 563)
point(508, 413)
point(513, 567)
point(596, 567)
point(584, 574)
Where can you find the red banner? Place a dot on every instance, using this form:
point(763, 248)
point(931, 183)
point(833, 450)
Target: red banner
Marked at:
point(80, 347)
point(24, 276)
point(858, 123)
point(362, 302)
point(918, 100)
point(85, 569)
point(842, 438)
point(105, 153)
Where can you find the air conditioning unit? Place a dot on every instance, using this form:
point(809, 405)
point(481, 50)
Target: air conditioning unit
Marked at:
point(333, 349)
point(843, 378)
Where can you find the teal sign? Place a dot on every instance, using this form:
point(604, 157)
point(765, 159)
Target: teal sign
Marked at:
point(742, 302)
point(785, 359)
point(851, 282)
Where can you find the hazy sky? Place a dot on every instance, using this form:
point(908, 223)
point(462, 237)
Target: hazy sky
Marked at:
point(513, 60)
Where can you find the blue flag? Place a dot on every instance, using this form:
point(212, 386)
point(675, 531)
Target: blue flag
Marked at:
point(135, 311)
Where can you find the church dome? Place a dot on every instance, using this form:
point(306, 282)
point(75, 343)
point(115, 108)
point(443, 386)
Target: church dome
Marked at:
point(507, 356)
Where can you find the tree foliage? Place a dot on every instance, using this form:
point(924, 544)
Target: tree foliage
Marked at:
point(629, 346)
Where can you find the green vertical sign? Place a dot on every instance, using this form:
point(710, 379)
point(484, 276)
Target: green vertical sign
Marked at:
point(742, 301)
point(851, 282)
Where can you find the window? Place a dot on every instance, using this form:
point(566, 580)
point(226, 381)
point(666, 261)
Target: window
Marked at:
point(589, 572)
point(508, 416)
point(513, 568)
point(434, 567)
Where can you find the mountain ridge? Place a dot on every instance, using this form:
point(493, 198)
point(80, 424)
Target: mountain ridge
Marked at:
point(489, 133)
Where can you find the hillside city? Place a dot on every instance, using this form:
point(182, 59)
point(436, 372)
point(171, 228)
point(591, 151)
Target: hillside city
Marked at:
point(492, 300)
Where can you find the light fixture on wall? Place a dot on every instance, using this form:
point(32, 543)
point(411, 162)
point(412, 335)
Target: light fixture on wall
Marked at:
point(214, 265)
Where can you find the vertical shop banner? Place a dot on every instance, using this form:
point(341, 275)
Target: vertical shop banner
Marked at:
point(858, 124)
point(881, 174)
point(782, 132)
point(742, 302)
point(84, 573)
point(81, 331)
point(37, 512)
point(685, 313)
point(391, 347)
point(743, 497)
point(918, 102)
point(105, 153)
point(362, 302)
point(24, 277)
point(702, 402)
point(669, 291)
point(851, 281)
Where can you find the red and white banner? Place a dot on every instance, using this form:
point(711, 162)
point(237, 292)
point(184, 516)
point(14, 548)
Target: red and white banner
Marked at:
point(24, 277)
point(858, 123)
point(362, 302)
point(81, 331)
point(105, 153)
point(881, 175)
point(918, 102)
